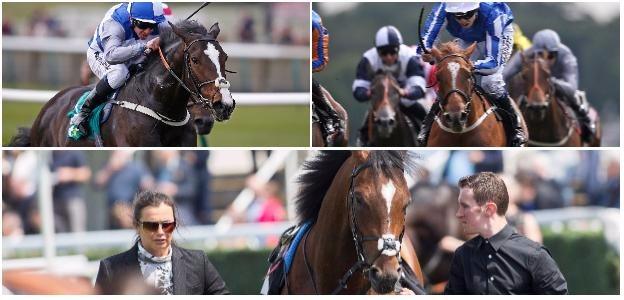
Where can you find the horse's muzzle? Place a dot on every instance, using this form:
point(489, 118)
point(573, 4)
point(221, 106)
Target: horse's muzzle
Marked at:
point(385, 126)
point(456, 120)
point(383, 283)
point(222, 111)
point(203, 125)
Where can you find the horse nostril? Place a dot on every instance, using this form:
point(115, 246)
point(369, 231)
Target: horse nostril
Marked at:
point(391, 122)
point(399, 270)
point(374, 272)
point(199, 122)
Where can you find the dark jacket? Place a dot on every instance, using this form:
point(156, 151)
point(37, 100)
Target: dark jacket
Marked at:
point(193, 274)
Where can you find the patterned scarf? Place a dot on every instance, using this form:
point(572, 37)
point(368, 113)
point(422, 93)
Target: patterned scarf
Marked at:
point(157, 270)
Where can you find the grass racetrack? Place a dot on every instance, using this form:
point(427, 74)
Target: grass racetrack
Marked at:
point(250, 126)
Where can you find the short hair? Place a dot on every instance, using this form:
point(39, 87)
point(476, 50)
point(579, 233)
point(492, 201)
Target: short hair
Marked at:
point(486, 186)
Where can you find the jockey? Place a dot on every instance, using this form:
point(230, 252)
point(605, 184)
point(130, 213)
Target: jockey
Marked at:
point(390, 54)
point(320, 58)
point(564, 72)
point(121, 40)
point(488, 24)
point(521, 42)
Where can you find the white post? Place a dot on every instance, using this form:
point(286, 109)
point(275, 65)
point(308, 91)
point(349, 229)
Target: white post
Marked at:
point(291, 185)
point(44, 190)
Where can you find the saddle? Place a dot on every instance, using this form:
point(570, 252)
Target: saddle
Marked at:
point(281, 258)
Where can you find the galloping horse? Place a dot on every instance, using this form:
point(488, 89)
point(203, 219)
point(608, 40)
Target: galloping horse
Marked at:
point(387, 125)
point(550, 122)
point(356, 203)
point(340, 138)
point(151, 108)
point(466, 118)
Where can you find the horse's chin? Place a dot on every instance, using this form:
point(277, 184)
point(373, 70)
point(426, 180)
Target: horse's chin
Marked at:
point(536, 113)
point(384, 131)
point(457, 125)
point(383, 286)
point(223, 112)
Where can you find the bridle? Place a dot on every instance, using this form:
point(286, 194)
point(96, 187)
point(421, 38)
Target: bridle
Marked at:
point(463, 94)
point(536, 87)
point(196, 96)
point(386, 244)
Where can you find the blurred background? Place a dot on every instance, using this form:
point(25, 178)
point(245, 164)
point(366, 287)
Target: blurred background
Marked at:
point(590, 30)
point(64, 211)
point(44, 46)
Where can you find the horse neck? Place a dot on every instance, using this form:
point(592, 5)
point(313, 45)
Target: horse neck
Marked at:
point(172, 97)
point(331, 250)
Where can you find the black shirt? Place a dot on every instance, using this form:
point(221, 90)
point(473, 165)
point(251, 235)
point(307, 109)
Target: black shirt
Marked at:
point(506, 263)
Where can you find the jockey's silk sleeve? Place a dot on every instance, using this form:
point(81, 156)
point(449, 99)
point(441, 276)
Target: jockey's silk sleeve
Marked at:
point(115, 51)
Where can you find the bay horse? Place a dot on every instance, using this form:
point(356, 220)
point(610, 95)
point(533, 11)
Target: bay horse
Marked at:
point(356, 202)
point(466, 119)
point(340, 138)
point(549, 121)
point(151, 108)
point(387, 124)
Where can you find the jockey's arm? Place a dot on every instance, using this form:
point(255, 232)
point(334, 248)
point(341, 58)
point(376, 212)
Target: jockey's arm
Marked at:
point(494, 44)
point(415, 85)
point(433, 25)
point(513, 67)
point(112, 41)
point(570, 71)
point(363, 77)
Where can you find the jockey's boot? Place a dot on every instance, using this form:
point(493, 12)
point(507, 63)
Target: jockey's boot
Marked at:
point(425, 128)
point(518, 138)
point(78, 125)
point(581, 109)
point(415, 112)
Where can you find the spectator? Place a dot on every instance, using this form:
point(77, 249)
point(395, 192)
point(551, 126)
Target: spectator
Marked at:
point(22, 187)
point(42, 24)
point(246, 33)
point(267, 206)
point(176, 178)
point(70, 174)
point(202, 204)
point(123, 178)
point(524, 222)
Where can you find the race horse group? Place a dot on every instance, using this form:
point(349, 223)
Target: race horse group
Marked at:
point(152, 108)
point(467, 118)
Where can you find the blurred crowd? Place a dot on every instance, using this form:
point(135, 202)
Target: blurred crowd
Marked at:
point(43, 22)
point(184, 175)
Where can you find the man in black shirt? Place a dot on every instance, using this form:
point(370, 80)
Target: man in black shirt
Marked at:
point(497, 260)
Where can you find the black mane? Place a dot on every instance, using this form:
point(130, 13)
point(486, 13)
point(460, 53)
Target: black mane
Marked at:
point(320, 173)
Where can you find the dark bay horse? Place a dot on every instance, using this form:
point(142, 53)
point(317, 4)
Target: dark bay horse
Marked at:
point(387, 124)
point(340, 138)
point(466, 118)
point(196, 74)
point(356, 201)
point(550, 122)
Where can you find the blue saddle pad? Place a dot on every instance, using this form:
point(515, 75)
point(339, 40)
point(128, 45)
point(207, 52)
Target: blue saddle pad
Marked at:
point(98, 116)
point(292, 248)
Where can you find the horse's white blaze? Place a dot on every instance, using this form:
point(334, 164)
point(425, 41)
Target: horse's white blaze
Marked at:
point(454, 69)
point(387, 191)
point(213, 54)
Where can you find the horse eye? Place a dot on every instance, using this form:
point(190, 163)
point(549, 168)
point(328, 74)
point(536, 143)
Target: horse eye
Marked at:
point(195, 60)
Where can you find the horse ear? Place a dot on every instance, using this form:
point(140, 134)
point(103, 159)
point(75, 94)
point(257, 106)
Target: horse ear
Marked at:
point(360, 155)
point(179, 33)
point(214, 30)
point(470, 49)
point(436, 53)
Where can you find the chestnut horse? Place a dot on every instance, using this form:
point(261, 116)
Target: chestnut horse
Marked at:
point(466, 118)
point(387, 125)
point(549, 121)
point(340, 137)
point(356, 201)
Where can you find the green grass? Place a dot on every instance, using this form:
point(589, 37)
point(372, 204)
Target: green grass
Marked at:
point(250, 126)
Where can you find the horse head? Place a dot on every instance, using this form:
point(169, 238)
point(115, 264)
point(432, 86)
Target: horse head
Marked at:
point(385, 98)
point(538, 91)
point(205, 71)
point(456, 82)
point(377, 201)
point(203, 120)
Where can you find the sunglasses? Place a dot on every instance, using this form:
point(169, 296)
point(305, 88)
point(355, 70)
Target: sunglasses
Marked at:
point(465, 16)
point(385, 52)
point(144, 25)
point(167, 227)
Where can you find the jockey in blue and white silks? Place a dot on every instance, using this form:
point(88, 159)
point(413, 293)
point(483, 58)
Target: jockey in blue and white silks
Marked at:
point(121, 40)
point(390, 54)
point(489, 24)
point(564, 75)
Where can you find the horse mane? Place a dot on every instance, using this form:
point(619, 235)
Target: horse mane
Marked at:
point(450, 47)
point(320, 172)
